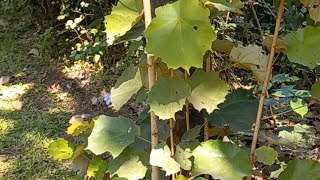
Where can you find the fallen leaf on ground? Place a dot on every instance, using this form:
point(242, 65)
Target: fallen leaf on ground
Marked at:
point(17, 105)
point(34, 52)
point(4, 80)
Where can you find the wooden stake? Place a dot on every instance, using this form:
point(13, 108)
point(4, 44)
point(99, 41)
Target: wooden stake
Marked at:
point(187, 105)
point(151, 81)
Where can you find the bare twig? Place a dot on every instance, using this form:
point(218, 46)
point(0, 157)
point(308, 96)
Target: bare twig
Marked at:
point(266, 81)
point(151, 79)
point(257, 19)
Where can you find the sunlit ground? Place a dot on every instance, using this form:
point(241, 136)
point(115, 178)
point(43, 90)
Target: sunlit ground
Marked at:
point(31, 115)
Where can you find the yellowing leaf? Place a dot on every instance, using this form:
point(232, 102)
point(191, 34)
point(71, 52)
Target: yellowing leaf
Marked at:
point(61, 149)
point(299, 106)
point(97, 168)
point(77, 128)
point(280, 46)
point(166, 111)
point(251, 57)
point(125, 15)
point(313, 7)
point(179, 37)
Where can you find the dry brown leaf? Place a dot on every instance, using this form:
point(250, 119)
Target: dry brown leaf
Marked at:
point(313, 7)
point(4, 80)
point(280, 47)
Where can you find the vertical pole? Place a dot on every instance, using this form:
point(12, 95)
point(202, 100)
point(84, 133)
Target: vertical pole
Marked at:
point(151, 80)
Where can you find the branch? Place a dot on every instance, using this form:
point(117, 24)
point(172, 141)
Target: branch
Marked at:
point(266, 82)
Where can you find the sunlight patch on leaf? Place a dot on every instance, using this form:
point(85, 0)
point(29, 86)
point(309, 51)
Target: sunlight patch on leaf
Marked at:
point(221, 160)
point(123, 17)
point(162, 158)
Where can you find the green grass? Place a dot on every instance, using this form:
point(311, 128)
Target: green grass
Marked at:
point(26, 133)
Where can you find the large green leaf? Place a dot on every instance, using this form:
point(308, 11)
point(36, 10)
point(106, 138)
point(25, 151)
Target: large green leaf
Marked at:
point(301, 169)
point(61, 149)
point(112, 134)
point(251, 57)
point(315, 90)
point(168, 96)
point(179, 37)
point(303, 46)
point(266, 155)
point(128, 154)
point(162, 158)
point(239, 110)
point(97, 168)
point(123, 17)
point(208, 90)
point(221, 160)
point(132, 169)
point(127, 85)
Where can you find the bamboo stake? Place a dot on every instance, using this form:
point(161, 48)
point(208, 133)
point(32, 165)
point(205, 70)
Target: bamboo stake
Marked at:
point(206, 123)
point(171, 126)
point(151, 80)
point(187, 105)
point(266, 82)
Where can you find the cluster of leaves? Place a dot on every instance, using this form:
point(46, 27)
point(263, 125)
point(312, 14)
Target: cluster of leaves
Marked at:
point(179, 36)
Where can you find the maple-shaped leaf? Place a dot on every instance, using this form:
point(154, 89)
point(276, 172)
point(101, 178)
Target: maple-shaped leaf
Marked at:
point(178, 37)
point(123, 17)
point(61, 149)
point(112, 134)
point(251, 57)
point(303, 46)
point(208, 90)
point(221, 160)
point(168, 96)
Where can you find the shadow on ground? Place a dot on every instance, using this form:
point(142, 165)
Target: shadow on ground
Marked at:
point(48, 98)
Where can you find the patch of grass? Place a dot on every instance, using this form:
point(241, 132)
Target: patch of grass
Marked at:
point(25, 133)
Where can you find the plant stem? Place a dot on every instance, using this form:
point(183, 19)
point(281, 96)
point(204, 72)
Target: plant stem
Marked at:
point(151, 81)
point(266, 82)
